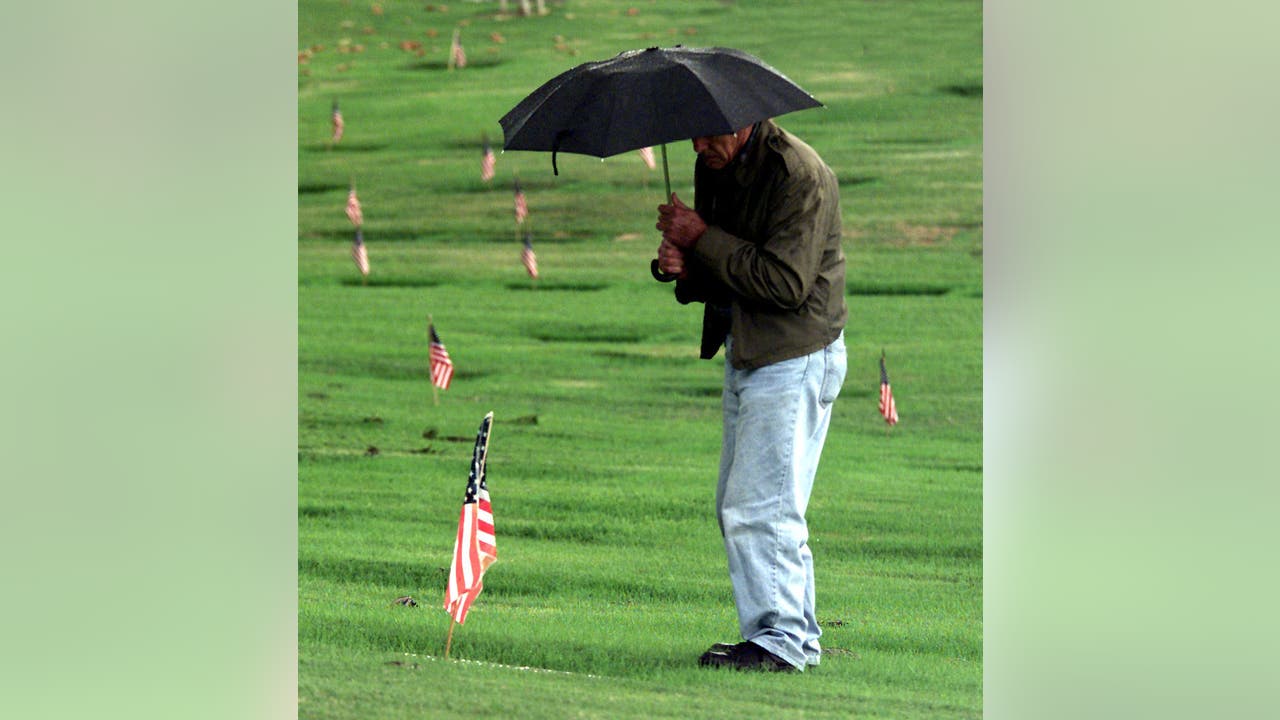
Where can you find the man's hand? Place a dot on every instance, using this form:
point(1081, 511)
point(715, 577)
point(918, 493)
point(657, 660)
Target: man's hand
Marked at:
point(671, 259)
point(680, 224)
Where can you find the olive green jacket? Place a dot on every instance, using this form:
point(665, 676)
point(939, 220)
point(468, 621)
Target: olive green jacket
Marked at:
point(770, 267)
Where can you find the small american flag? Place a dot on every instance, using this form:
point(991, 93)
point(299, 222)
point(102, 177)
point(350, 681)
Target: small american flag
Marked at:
point(353, 208)
point(887, 407)
point(487, 163)
point(456, 53)
point(441, 365)
point(337, 122)
point(522, 205)
point(359, 253)
point(475, 548)
point(646, 154)
point(528, 258)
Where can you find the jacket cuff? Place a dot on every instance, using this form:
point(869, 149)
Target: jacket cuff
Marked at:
point(714, 246)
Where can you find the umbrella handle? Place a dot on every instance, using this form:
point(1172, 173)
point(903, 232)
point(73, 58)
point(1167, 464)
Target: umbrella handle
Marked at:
point(659, 275)
point(653, 265)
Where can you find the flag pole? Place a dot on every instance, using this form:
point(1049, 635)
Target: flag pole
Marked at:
point(448, 643)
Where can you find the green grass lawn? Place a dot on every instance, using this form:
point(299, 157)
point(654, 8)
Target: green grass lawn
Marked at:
point(611, 578)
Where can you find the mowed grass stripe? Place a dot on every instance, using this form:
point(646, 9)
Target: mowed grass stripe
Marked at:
point(606, 439)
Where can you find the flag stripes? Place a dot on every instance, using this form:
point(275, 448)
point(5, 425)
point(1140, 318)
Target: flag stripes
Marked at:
point(338, 125)
point(646, 154)
point(441, 364)
point(475, 547)
point(354, 213)
point(486, 541)
point(528, 258)
point(464, 580)
point(888, 409)
point(521, 205)
point(456, 53)
point(487, 163)
point(360, 253)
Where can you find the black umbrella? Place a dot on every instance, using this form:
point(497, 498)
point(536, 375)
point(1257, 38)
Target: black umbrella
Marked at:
point(642, 98)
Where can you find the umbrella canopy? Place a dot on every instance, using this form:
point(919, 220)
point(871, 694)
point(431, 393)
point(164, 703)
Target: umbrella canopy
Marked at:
point(650, 97)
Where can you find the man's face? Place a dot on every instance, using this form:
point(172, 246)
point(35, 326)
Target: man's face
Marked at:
point(718, 150)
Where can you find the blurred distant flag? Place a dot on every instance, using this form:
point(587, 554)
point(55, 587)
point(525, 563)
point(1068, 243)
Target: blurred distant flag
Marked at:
point(457, 56)
point(338, 125)
point(888, 408)
point(528, 258)
point(441, 365)
point(353, 207)
point(359, 253)
point(487, 162)
point(476, 547)
point(646, 154)
point(521, 204)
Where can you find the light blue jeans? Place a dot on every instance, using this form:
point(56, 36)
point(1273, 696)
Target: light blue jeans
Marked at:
point(775, 423)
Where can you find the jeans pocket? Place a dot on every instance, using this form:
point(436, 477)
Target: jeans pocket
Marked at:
point(833, 376)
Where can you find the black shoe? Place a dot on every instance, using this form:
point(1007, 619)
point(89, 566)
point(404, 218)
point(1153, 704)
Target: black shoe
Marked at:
point(744, 656)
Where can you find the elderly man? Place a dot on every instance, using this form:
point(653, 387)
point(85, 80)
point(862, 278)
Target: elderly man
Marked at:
point(761, 250)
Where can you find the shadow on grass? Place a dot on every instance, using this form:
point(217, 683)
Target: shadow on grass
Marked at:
point(497, 185)
point(479, 63)
point(906, 141)
point(639, 358)
point(348, 147)
point(381, 282)
point(952, 467)
point(922, 551)
point(918, 289)
point(541, 285)
point(850, 180)
point(378, 572)
point(585, 334)
point(319, 188)
point(710, 391)
point(370, 236)
point(543, 530)
point(973, 90)
point(383, 369)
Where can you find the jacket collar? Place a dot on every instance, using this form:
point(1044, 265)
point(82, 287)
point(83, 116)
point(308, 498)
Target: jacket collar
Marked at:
point(746, 165)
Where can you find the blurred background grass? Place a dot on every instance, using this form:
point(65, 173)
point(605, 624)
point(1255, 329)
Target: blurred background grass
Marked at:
point(151, 198)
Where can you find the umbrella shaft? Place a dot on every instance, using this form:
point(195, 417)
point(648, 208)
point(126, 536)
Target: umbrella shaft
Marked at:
point(666, 176)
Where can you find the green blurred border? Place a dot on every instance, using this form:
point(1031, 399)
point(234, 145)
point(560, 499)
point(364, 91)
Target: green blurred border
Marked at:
point(149, 518)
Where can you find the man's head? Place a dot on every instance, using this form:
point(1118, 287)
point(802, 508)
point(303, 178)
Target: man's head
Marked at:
point(717, 151)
